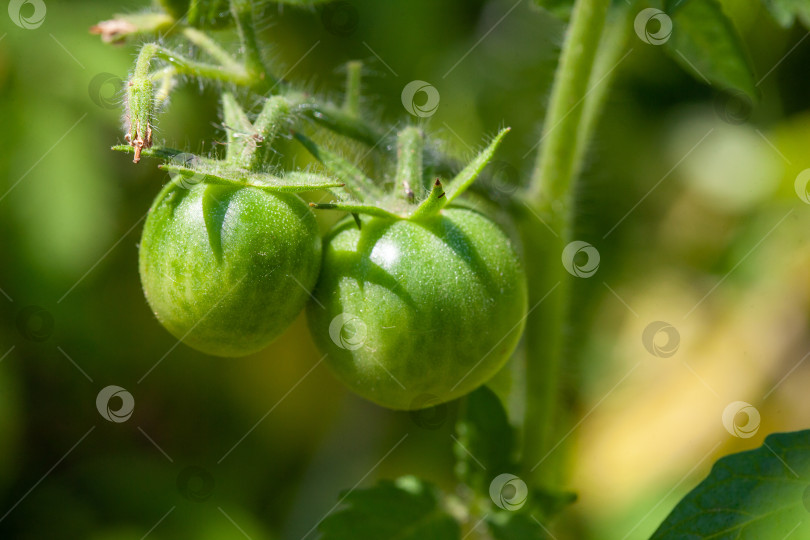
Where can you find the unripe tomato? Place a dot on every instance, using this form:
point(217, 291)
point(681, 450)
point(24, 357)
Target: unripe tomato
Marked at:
point(226, 269)
point(410, 308)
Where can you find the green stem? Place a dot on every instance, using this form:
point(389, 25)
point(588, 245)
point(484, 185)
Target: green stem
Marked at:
point(271, 122)
point(550, 197)
point(339, 121)
point(166, 79)
point(351, 104)
point(211, 47)
point(186, 66)
point(612, 52)
point(242, 11)
point(553, 171)
point(139, 112)
point(213, 72)
point(242, 136)
point(194, 14)
point(409, 184)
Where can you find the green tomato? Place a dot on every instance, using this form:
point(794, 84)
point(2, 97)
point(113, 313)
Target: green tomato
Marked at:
point(418, 312)
point(227, 269)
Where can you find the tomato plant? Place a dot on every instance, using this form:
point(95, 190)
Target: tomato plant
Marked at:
point(417, 296)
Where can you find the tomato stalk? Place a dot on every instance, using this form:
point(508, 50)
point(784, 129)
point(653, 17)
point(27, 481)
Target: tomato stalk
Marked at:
point(354, 72)
point(242, 11)
point(409, 183)
point(211, 47)
point(550, 198)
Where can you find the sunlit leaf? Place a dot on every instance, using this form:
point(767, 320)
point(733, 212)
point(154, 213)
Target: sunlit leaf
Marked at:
point(753, 495)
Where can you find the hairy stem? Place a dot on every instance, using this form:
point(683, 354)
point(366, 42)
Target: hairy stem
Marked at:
point(242, 11)
point(550, 198)
point(553, 171)
point(409, 184)
point(186, 66)
point(211, 47)
point(337, 120)
point(612, 52)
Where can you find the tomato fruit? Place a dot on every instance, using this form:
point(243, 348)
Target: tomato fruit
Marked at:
point(408, 308)
point(226, 268)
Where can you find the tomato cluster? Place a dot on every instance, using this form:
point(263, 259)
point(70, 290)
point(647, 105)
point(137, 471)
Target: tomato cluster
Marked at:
point(408, 298)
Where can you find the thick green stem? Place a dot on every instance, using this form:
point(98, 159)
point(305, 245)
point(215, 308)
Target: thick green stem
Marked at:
point(553, 171)
point(550, 198)
point(612, 52)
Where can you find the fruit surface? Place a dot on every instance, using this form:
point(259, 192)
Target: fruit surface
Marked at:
point(412, 312)
point(227, 269)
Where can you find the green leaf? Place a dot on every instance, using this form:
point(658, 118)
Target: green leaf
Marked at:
point(559, 8)
point(404, 509)
point(705, 43)
point(515, 526)
point(786, 11)
point(758, 494)
point(485, 441)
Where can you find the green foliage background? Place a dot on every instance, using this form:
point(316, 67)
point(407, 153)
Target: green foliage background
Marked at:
point(70, 219)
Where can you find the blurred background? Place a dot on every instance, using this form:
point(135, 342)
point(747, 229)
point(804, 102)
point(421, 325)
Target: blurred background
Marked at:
point(690, 196)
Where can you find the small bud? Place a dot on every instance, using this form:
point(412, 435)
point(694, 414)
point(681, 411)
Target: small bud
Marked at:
point(120, 28)
point(114, 30)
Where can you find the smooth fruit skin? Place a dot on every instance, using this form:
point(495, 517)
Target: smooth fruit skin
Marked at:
point(414, 312)
point(227, 269)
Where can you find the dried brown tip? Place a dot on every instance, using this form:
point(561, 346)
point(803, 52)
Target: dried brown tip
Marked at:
point(139, 142)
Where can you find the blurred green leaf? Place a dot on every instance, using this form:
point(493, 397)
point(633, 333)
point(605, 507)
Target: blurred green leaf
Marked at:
point(515, 526)
point(404, 509)
point(558, 8)
point(527, 521)
point(786, 11)
point(761, 493)
point(485, 441)
point(705, 43)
